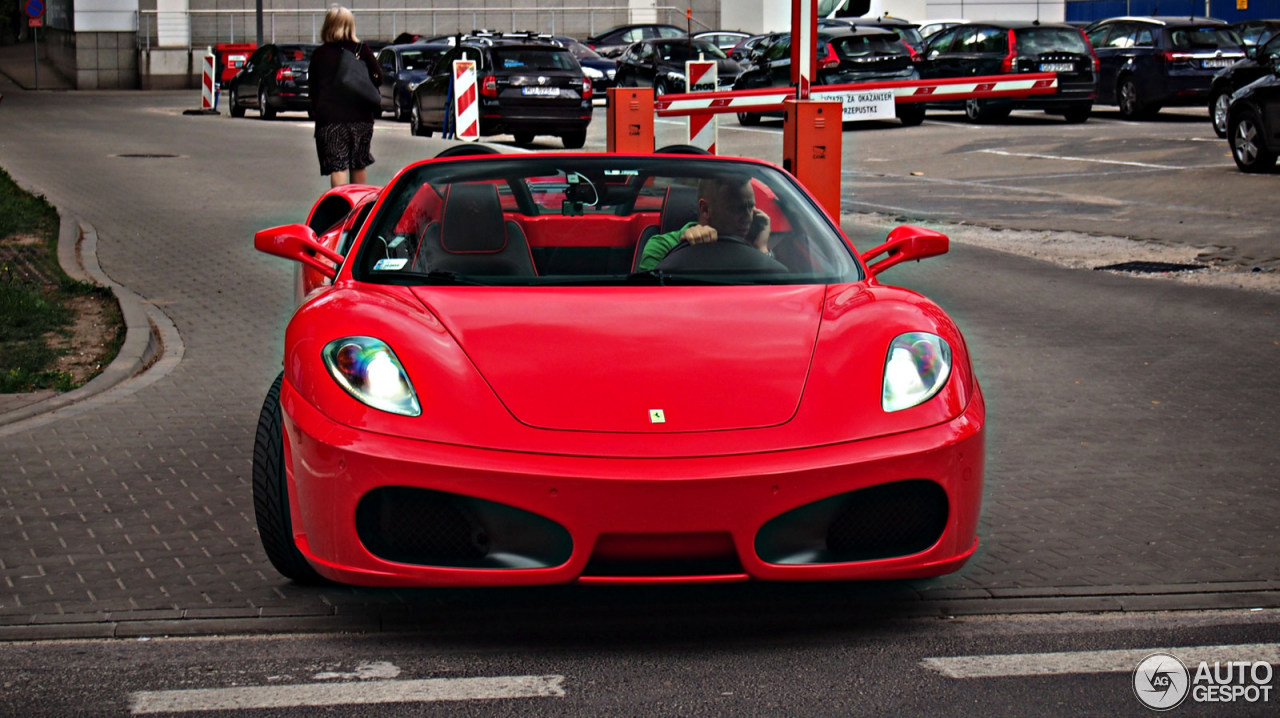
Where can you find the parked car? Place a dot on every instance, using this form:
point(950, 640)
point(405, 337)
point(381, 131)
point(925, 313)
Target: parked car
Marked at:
point(1253, 124)
point(526, 88)
point(1256, 32)
point(471, 398)
point(273, 79)
point(845, 54)
point(1151, 62)
point(613, 41)
point(660, 64)
point(1261, 60)
point(907, 30)
point(930, 28)
point(598, 68)
point(741, 53)
point(726, 40)
point(403, 67)
point(995, 48)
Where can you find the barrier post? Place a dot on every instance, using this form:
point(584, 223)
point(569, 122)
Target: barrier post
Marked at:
point(208, 90)
point(629, 120)
point(812, 136)
point(703, 128)
point(466, 105)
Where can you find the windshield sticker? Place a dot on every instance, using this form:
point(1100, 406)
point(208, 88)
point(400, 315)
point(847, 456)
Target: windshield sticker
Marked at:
point(389, 265)
point(621, 173)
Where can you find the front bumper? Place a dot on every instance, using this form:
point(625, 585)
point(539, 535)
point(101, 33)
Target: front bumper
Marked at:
point(611, 521)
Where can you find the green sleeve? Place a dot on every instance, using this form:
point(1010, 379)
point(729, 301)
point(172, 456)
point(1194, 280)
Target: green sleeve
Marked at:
point(659, 244)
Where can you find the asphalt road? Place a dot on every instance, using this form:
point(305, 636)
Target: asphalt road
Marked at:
point(1132, 422)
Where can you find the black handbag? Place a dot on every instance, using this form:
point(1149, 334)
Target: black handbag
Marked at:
point(353, 83)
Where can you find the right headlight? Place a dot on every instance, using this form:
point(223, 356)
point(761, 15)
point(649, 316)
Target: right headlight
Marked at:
point(915, 370)
point(593, 73)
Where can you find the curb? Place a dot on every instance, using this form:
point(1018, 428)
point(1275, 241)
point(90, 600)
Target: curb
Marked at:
point(143, 345)
point(468, 621)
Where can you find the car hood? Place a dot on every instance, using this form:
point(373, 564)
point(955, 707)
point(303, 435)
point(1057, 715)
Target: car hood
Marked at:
point(646, 359)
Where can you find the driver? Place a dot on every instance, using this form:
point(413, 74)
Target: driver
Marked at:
point(725, 206)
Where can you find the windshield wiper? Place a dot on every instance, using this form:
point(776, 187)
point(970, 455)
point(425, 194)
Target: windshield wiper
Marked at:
point(438, 276)
point(664, 278)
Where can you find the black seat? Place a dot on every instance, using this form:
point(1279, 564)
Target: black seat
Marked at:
point(473, 237)
point(679, 208)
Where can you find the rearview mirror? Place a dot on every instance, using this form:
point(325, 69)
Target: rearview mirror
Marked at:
point(298, 242)
point(905, 243)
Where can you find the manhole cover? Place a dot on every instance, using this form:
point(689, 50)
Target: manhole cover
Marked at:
point(1151, 267)
point(149, 156)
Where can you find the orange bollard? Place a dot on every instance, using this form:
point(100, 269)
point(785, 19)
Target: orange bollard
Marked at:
point(812, 135)
point(630, 120)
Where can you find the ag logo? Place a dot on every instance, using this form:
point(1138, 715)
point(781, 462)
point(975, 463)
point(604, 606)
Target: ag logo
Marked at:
point(1161, 681)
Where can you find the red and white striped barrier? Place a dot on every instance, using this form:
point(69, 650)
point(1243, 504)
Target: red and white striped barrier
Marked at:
point(703, 77)
point(466, 106)
point(770, 98)
point(208, 97)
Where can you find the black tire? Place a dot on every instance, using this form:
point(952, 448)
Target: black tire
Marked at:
point(233, 103)
point(984, 111)
point(574, 140)
point(748, 119)
point(911, 114)
point(661, 88)
point(415, 122)
point(1246, 136)
point(271, 494)
point(525, 138)
point(264, 108)
point(1218, 103)
point(1078, 113)
point(680, 150)
point(1132, 105)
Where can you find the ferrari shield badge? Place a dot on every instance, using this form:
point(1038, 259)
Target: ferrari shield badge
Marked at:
point(656, 416)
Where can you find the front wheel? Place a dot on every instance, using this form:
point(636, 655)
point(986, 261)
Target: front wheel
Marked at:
point(574, 140)
point(415, 122)
point(271, 494)
point(1218, 105)
point(1247, 149)
point(911, 114)
point(748, 119)
point(233, 103)
point(523, 138)
point(264, 109)
point(1132, 105)
point(983, 111)
point(1078, 113)
point(661, 88)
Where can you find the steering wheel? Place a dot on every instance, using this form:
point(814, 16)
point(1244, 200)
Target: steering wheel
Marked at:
point(729, 253)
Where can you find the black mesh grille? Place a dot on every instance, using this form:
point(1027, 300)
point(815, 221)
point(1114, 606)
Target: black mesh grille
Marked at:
point(419, 526)
point(896, 519)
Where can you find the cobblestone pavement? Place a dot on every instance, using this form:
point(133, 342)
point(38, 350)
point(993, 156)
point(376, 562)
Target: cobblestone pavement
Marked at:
point(1132, 460)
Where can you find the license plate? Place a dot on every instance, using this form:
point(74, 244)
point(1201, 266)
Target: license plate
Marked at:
point(1057, 67)
point(1219, 62)
point(541, 91)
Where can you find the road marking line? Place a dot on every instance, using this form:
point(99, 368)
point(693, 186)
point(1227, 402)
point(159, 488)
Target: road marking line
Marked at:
point(331, 694)
point(1033, 155)
point(1125, 661)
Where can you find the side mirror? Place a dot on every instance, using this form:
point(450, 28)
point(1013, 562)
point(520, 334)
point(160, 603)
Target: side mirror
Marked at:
point(298, 242)
point(905, 243)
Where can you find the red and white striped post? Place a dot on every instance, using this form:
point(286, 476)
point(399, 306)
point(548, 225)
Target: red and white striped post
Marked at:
point(703, 129)
point(208, 96)
point(466, 106)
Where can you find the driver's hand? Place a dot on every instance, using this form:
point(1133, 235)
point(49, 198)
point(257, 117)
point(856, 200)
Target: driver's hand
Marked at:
point(699, 234)
point(758, 234)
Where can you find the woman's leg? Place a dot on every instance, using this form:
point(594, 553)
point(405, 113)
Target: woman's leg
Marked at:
point(339, 178)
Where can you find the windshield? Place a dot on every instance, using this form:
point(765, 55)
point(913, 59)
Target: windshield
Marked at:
point(1203, 38)
point(1035, 41)
point(544, 220)
point(533, 58)
point(419, 59)
point(695, 50)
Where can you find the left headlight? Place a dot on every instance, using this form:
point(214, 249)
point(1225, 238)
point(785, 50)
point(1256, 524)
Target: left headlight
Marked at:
point(369, 371)
point(593, 73)
point(915, 370)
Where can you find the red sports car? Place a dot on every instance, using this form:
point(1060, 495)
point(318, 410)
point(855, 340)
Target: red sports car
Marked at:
point(490, 381)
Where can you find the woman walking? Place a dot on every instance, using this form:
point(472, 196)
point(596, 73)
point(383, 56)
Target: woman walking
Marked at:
point(344, 132)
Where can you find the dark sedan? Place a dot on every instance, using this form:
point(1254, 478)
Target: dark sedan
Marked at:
point(403, 67)
point(598, 68)
point(1253, 124)
point(273, 79)
point(996, 48)
point(613, 41)
point(660, 64)
point(846, 55)
point(1261, 60)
